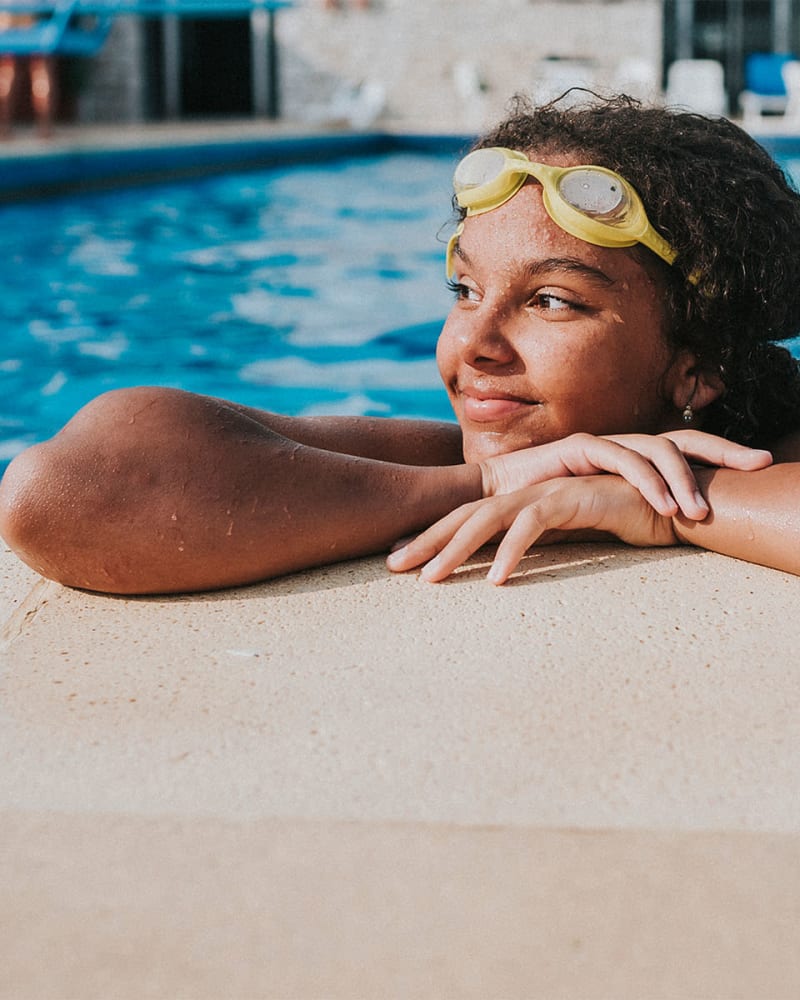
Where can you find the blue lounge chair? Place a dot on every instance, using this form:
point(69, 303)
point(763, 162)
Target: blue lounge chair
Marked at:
point(58, 32)
point(193, 8)
point(764, 85)
point(80, 27)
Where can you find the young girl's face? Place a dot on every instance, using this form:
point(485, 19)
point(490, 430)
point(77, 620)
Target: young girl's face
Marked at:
point(550, 335)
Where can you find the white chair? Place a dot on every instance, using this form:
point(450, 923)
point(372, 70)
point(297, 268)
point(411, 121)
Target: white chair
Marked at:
point(369, 103)
point(791, 78)
point(555, 76)
point(636, 77)
point(355, 106)
point(697, 85)
point(471, 91)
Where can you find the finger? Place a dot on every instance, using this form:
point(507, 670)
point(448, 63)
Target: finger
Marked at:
point(714, 450)
point(569, 508)
point(655, 467)
point(474, 533)
point(666, 457)
point(402, 542)
point(672, 463)
point(426, 545)
point(523, 533)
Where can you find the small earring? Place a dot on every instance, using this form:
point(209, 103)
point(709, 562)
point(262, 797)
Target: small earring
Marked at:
point(688, 412)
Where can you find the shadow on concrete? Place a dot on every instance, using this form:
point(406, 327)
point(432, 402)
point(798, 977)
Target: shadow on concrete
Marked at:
point(552, 562)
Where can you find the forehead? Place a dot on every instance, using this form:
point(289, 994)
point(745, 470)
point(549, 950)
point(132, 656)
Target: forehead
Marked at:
point(521, 233)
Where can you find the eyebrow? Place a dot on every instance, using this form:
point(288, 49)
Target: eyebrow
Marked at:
point(569, 265)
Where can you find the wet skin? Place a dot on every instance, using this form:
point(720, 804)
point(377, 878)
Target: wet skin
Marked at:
point(550, 335)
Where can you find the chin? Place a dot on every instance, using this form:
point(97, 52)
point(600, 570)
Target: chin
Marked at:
point(477, 448)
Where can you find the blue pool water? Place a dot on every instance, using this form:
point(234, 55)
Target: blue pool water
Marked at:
point(304, 289)
point(315, 288)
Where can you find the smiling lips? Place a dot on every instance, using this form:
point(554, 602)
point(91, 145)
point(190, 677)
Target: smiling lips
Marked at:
point(486, 407)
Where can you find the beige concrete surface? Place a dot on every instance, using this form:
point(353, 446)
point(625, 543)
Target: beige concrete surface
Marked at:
point(348, 783)
point(126, 907)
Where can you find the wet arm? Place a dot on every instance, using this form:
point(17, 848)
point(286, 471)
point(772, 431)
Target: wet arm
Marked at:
point(149, 491)
point(754, 515)
point(407, 442)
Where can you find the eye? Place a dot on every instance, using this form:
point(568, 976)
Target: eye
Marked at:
point(550, 302)
point(462, 292)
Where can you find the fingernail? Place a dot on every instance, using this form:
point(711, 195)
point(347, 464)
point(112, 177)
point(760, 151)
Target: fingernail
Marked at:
point(700, 500)
point(430, 569)
point(670, 506)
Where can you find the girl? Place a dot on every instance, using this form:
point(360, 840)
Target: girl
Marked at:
point(621, 275)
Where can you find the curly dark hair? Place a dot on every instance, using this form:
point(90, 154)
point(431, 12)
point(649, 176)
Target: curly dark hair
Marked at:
point(728, 210)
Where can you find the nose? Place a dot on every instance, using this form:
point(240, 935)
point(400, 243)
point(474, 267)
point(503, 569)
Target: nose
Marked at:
point(480, 338)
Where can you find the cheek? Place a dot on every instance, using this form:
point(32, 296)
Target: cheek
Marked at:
point(445, 352)
point(629, 347)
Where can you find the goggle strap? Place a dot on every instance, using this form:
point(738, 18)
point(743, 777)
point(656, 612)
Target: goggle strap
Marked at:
point(484, 197)
point(451, 249)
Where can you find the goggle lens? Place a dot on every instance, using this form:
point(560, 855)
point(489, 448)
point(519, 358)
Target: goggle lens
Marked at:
point(594, 194)
point(478, 168)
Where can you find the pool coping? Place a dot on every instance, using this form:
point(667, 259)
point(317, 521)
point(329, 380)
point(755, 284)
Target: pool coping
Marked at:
point(85, 158)
point(98, 160)
point(348, 783)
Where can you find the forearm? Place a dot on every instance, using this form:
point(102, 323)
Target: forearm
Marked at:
point(170, 492)
point(388, 439)
point(754, 515)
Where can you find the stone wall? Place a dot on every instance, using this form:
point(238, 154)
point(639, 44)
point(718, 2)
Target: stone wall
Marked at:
point(455, 63)
point(441, 64)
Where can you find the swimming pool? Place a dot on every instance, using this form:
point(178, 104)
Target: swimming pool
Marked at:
point(313, 287)
point(305, 288)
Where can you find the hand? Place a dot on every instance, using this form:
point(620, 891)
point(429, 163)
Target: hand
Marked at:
point(605, 503)
point(655, 464)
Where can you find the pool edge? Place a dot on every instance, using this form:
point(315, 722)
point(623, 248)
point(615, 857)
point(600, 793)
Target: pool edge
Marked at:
point(37, 170)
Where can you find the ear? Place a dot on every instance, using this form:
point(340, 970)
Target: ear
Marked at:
point(689, 381)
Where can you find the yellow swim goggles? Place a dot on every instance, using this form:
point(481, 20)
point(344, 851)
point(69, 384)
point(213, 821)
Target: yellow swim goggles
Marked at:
point(591, 203)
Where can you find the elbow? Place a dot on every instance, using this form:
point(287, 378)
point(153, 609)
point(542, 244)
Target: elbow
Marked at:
point(29, 499)
point(66, 504)
point(52, 516)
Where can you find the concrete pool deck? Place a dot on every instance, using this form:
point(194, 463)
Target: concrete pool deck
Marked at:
point(346, 783)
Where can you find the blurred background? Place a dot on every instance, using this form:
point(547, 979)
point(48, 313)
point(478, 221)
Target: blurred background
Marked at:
point(434, 65)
